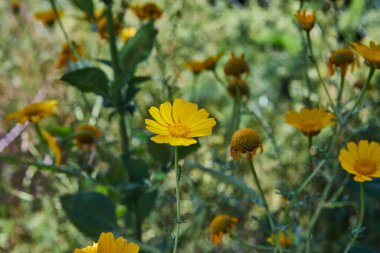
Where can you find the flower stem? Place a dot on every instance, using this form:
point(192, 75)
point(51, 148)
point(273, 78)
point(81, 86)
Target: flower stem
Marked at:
point(360, 97)
point(65, 34)
point(112, 40)
point(314, 61)
point(339, 98)
point(357, 229)
point(178, 197)
point(310, 143)
point(269, 216)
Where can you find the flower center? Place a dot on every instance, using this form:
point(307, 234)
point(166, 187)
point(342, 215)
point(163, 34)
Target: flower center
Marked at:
point(178, 131)
point(365, 167)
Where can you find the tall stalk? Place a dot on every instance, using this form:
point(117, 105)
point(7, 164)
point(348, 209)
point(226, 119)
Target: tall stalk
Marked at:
point(178, 197)
point(265, 203)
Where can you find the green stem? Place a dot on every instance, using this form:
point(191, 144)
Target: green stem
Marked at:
point(361, 95)
point(314, 61)
point(310, 143)
point(317, 212)
point(339, 98)
point(304, 184)
point(178, 197)
point(267, 211)
point(112, 41)
point(362, 207)
point(65, 34)
point(238, 107)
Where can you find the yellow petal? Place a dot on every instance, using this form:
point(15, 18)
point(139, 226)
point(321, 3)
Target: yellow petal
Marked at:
point(362, 149)
point(166, 113)
point(155, 124)
point(132, 248)
point(157, 131)
point(178, 105)
point(106, 242)
point(207, 123)
point(353, 149)
point(157, 116)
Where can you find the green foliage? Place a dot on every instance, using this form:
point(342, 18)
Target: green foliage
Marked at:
point(138, 48)
point(91, 212)
point(86, 6)
point(88, 80)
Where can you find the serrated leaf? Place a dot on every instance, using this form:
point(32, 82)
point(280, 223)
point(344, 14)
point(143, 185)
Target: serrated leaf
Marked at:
point(91, 212)
point(138, 48)
point(88, 80)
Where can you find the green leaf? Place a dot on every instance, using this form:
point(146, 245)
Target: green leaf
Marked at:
point(85, 5)
point(138, 48)
point(88, 80)
point(159, 152)
point(146, 203)
point(91, 212)
point(138, 170)
point(187, 150)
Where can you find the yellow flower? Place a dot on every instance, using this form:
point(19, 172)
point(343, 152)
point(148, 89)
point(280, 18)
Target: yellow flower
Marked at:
point(236, 66)
point(361, 160)
point(68, 55)
point(127, 33)
point(234, 84)
point(342, 58)
point(207, 64)
point(108, 244)
point(177, 125)
point(310, 121)
point(48, 17)
point(86, 136)
point(370, 54)
point(35, 111)
point(147, 11)
point(222, 224)
point(53, 145)
point(285, 241)
point(306, 21)
point(245, 140)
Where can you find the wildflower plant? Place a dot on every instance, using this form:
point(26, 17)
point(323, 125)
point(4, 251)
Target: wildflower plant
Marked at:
point(110, 131)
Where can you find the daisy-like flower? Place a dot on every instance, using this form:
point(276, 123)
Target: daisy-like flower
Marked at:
point(35, 112)
point(127, 33)
point(102, 27)
point(236, 67)
point(86, 136)
point(221, 225)
point(310, 121)
point(53, 145)
point(207, 64)
point(67, 55)
point(235, 84)
point(108, 244)
point(370, 54)
point(245, 141)
point(48, 17)
point(179, 123)
point(342, 58)
point(361, 160)
point(285, 240)
point(306, 21)
point(146, 11)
